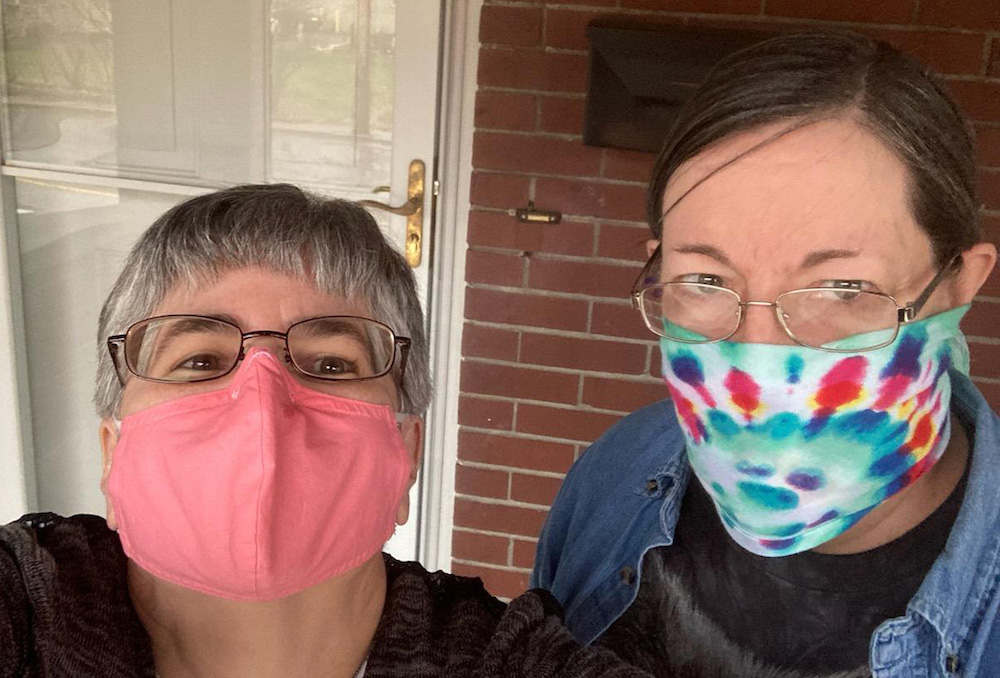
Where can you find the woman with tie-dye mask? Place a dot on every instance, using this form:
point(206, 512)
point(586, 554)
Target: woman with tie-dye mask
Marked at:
point(818, 496)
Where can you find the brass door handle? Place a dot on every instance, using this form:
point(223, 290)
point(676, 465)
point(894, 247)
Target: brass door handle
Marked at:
point(412, 209)
point(406, 209)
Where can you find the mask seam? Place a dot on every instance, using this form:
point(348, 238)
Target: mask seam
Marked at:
point(260, 492)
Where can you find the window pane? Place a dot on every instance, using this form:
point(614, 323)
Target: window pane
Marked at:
point(332, 90)
point(73, 241)
point(205, 93)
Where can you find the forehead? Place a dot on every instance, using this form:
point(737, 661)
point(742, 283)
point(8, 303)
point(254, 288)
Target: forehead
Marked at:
point(258, 298)
point(829, 185)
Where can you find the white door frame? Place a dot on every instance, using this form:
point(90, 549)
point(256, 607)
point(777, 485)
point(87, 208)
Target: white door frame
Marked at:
point(459, 61)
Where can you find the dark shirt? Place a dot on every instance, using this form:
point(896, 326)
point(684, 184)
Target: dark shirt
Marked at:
point(810, 613)
point(65, 612)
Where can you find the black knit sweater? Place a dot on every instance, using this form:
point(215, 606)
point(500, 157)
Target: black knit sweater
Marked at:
point(65, 612)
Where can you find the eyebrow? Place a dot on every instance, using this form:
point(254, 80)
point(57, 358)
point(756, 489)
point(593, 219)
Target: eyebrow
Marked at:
point(823, 256)
point(705, 250)
point(812, 259)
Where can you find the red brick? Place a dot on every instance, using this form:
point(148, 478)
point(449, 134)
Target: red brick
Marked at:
point(521, 69)
point(992, 284)
point(483, 548)
point(612, 201)
point(619, 395)
point(498, 517)
point(583, 354)
point(534, 489)
point(571, 424)
point(532, 310)
point(985, 360)
point(524, 553)
point(485, 413)
point(493, 268)
point(960, 13)
point(991, 228)
point(885, 11)
point(567, 29)
point(702, 6)
point(627, 165)
point(988, 146)
point(489, 342)
point(994, 66)
point(624, 242)
point(481, 482)
point(501, 583)
point(517, 26)
point(978, 99)
point(498, 190)
point(506, 110)
point(619, 320)
point(990, 391)
point(656, 365)
point(505, 450)
point(519, 382)
point(982, 320)
point(601, 3)
point(989, 188)
point(563, 115)
point(497, 229)
point(943, 52)
point(582, 277)
point(537, 154)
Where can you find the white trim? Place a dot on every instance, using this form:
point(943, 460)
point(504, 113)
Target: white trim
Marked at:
point(460, 58)
point(72, 176)
point(18, 491)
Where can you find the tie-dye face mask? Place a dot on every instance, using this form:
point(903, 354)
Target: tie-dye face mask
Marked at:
point(795, 445)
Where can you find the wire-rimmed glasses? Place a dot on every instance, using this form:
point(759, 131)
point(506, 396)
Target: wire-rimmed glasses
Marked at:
point(193, 348)
point(841, 318)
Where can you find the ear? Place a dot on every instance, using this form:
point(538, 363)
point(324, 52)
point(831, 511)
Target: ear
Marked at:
point(412, 430)
point(977, 263)
point(651, 246)
point(108, 433)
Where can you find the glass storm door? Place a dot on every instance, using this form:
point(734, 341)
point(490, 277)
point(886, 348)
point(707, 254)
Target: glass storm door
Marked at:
point(115, 110)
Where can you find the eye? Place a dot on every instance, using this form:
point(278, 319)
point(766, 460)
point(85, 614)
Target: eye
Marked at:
point(703, 278)
point(709, 280)
point(328, 365)
point(202, 362)
point(846, 290)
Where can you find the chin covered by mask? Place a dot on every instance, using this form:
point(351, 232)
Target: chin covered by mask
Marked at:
point(258, 490)
point(795, 444)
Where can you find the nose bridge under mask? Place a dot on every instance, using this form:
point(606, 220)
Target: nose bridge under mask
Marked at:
point(262, 371)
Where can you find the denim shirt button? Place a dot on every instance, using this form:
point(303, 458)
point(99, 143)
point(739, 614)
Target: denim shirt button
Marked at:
point(951, 664)
point(652, 486)
point(627, 575)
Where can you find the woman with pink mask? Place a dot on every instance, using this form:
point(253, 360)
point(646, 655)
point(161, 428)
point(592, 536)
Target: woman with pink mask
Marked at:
point(263, 373)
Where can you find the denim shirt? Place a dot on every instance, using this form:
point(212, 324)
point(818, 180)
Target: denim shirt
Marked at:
point(623, 496)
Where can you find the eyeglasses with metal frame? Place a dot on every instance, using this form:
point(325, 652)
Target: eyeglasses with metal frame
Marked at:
point(194, 348)
point(841, 318)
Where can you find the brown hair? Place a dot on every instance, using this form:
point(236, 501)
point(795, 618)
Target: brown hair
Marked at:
point(804, 77)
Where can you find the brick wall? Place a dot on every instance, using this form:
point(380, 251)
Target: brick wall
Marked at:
point(552, 352)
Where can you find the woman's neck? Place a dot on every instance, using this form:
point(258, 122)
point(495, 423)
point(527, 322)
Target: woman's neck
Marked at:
point(324, 631)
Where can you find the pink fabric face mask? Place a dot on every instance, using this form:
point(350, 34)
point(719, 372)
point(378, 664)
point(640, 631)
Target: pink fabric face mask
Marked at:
point(259, 490)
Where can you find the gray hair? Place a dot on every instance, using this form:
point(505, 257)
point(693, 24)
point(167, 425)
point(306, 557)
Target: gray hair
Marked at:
point(333, 244)
point(800, 78)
